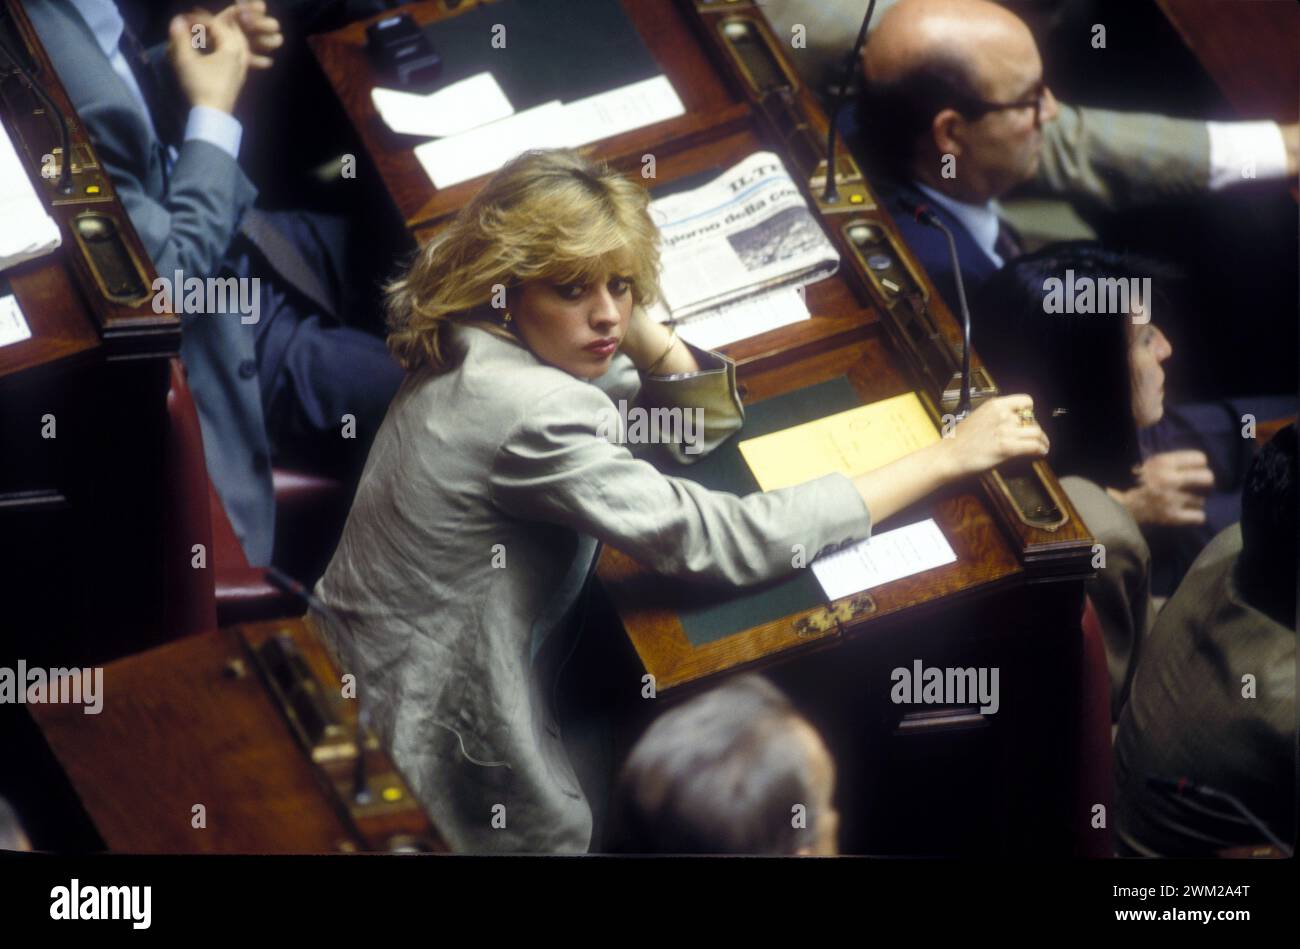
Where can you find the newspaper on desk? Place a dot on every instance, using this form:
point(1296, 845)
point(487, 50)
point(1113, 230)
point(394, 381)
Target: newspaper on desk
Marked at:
point(747, 232)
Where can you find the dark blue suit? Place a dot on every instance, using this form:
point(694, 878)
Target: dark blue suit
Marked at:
point(927, 244)
point(930, 247)
point(274, 389)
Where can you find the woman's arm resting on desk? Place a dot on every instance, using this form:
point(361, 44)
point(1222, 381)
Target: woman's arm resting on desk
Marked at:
point(685, 378)
point(992, 434)
point(553, 467)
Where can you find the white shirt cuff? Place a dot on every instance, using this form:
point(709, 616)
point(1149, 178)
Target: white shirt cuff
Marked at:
point(215, 127)
point(1242, 151)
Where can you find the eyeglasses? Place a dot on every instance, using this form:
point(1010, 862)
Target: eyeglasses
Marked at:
point(978, 108)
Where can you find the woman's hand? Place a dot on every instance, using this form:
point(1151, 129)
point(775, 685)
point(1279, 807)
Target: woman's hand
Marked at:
point(992, 434)
point(999, 430)
point(1171, 489)
point(639, 340)
point(646, 341)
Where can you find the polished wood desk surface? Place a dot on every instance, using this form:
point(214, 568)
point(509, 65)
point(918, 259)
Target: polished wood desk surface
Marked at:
point(59, 293)
point(727, 119)
point(710, 105)
point(195, 723)
point(97, 364)
point(715, 131)
point(1251, 50)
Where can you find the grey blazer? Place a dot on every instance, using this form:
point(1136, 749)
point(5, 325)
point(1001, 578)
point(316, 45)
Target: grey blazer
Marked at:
point(484, 499)
point(186, 222)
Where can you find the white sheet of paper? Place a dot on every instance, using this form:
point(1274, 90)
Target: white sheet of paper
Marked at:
point(457, 108)
point(449, 161)
point(13, 328)
point(883, 558)
point(27, 230)
point(480, 151)
point(747, 318)
point(621, 110)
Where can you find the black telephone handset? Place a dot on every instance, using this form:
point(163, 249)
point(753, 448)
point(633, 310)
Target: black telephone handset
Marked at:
point(401, 51)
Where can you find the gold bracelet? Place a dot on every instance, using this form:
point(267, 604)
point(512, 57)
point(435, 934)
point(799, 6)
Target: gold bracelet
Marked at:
point(672, 340)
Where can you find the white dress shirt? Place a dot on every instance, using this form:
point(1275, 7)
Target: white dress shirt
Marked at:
point(980, 220)
point(1238, 151)
point(1244, 150)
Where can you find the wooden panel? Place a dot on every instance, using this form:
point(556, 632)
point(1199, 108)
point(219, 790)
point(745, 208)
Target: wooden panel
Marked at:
point(648, 605)
point(126, 329)
point(1250, 48)
point(342, 55)
point(191, 723)
point(82, 510)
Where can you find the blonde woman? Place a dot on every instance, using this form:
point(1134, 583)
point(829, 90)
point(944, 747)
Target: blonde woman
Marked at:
point(492, 482)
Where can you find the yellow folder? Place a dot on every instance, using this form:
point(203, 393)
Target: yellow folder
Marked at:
point(852, 443)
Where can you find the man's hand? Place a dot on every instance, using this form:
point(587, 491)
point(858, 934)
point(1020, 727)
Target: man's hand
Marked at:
point(1171, 489)
point(261, 31)
point(211, 58)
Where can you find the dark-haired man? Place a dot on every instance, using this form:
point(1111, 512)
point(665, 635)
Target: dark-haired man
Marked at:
point(735, 770)
point(1213, 700)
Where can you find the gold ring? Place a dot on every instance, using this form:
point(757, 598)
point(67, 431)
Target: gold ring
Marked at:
point(1026, 416)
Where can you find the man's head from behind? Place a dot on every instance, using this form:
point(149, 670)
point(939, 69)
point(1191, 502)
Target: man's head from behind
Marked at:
point(734, 770)
point(958, 78)
point(1266, 569)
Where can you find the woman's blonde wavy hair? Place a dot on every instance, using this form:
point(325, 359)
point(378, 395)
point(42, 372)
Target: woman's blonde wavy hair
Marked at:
point(550, 215)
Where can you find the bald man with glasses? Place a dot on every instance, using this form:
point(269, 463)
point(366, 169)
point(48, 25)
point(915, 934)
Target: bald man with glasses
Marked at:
point(956, 115)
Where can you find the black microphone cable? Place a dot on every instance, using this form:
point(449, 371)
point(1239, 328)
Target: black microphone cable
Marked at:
point(65, 173)
point(832, 193)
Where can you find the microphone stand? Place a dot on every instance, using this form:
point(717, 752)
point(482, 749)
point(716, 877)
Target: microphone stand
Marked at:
point(832, 192)
point(927, 217)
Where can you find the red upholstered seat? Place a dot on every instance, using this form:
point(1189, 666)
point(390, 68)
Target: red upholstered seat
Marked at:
point(1095, 784)
point(226, 589)
point(310, 511)
point(190, 593)
point(243, 593)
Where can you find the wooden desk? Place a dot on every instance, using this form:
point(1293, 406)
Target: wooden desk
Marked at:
point(194, 722)
point(81, 513)
point(1013, 599)
point(1249, 49)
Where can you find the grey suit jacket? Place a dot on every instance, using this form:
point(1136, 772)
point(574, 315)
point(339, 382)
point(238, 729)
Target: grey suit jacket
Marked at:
point(186, 222)
point(1190, 716)
point(477, 519)
point(1121, 590)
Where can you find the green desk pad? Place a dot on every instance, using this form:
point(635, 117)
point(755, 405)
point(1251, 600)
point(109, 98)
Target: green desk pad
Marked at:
point(727, 611)
point(554, 49)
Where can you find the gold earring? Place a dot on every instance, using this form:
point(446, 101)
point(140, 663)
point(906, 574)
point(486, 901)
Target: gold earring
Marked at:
point(506, 317)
